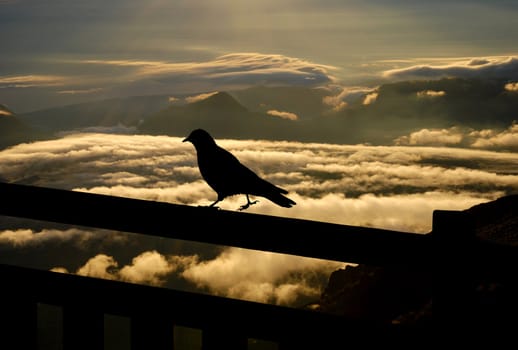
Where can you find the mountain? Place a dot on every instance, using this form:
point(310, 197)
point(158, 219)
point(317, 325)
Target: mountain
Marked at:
point(220, 114)
point(398, 109)
point(128, 111)
point(13, 131)
point(407, 106)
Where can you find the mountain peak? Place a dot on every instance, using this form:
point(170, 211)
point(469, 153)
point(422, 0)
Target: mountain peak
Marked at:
point(221, 101)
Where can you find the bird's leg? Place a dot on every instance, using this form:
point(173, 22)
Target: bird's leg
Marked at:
point(213, 204)
point(248, 203)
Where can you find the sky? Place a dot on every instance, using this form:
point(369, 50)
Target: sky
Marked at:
point(57, 52)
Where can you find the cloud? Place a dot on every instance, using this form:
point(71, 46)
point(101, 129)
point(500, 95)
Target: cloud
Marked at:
point(235, 69)
point(100, 266)
point(25, 81)
point(388, 209)
point(507, 139)
point(4, 110)
point(432, 137)
point(430, 94)
point(491, 67)
point(259, 276)
point(327, 181)
point(235, 273)
point(513, 87)
point(370, 98)
point(149, 267)
point(200, 97)
point(283, 114)
point(80, 91)
point(343, 96)
point(29, 237)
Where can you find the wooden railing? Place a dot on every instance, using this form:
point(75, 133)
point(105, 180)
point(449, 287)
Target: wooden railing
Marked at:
point(224, 323)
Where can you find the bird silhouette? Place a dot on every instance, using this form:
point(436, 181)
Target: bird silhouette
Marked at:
point(226, 175)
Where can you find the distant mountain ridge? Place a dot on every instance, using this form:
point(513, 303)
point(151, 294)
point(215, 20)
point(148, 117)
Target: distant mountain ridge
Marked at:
point(129, 111)
point(220, 114)
point(14, 131)
point(394, 110)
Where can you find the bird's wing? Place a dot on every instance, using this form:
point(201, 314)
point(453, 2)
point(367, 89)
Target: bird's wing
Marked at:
point(222, 171)
point(246, 180)
point(230, 176)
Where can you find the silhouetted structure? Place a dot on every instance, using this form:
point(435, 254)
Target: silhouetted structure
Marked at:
point(451, 253)
point(227, 176)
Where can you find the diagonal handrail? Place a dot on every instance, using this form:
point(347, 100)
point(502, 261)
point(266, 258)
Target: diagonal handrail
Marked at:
point(221, 227)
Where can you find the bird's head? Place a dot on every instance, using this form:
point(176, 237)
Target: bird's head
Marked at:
point(199, 137)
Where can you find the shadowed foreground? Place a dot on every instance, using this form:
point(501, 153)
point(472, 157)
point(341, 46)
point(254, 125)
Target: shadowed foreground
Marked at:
point(449, 253)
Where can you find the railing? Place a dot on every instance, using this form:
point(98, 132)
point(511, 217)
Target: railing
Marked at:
point(226, 323)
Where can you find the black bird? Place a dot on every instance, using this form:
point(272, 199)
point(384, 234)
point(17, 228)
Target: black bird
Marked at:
point(227, 176)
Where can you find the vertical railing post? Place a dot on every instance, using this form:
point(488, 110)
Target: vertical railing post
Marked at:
point(18, 322)
point(454, 280)
point(150, 332)
point(83, 328)
point(221, 338)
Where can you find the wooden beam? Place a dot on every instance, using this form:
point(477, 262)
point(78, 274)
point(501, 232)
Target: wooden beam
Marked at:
point(221, 227)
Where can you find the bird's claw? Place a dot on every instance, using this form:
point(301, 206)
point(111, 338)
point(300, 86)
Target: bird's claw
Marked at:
point(245, 206)
point(209, 206)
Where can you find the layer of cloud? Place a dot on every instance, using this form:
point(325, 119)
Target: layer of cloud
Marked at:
point(25, 237)
point(149, 267)
point(25, 81)
point(327, 181)
point(432, 137)
point(235, 273)
point(507, 139)
point(80, 91)
point(393, 187)
point(492, 67)
point(236, 69)
point(259, 276)
point(485, 139)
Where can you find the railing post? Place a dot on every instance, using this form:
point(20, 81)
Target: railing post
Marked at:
point(18, 322)
point(83, 328)
point(221, 338)
point(454, 281)
point(148, 332)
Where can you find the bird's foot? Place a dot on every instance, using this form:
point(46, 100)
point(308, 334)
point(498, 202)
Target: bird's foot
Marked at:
point(245, 206)
point(209, 206)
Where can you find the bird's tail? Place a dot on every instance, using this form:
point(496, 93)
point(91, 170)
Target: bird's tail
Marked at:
point(281, 200)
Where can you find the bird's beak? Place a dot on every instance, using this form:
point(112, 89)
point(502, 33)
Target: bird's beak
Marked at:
point(186, 139)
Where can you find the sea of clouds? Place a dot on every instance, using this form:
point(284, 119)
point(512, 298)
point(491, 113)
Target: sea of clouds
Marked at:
point(392, 187)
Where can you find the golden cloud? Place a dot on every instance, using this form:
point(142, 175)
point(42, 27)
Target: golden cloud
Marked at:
point(283, 114)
